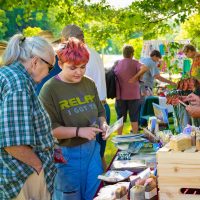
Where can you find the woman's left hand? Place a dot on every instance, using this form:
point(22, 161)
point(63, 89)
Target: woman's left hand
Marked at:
point(104, 127)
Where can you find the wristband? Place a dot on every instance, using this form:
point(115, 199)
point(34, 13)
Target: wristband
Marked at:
point(77, 130)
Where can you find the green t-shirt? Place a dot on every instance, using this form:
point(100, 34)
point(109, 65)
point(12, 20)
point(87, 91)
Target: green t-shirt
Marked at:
point(72, 105)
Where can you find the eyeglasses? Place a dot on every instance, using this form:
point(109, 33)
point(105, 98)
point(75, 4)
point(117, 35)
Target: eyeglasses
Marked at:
point(51, 66)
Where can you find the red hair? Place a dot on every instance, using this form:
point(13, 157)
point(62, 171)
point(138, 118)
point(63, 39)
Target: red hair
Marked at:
point(73, 52)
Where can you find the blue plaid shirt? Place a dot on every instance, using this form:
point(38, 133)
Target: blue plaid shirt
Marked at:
point(23, 121)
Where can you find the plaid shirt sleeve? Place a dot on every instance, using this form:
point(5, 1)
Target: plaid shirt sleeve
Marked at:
point(16, 125)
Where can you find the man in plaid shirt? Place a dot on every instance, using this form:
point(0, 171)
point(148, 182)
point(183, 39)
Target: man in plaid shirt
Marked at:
point(26, 145)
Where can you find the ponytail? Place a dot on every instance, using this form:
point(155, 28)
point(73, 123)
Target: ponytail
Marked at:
point(20, 48)
point(12, 51)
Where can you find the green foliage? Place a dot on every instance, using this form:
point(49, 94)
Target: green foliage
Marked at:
point(191, 29)
point(39, 16)
point(3, 21)
point(157, 11)
point(171, 87)
point(156, 14)
point(19, 20)
point(100, 22)
point(137, 45)
point(111, 48)
point(31, 31)
point(170, 60)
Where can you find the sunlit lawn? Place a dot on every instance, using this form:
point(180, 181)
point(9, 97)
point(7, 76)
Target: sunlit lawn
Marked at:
point(110, 147)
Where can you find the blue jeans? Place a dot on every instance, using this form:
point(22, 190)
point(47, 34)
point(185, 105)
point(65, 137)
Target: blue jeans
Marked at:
point(77, 179)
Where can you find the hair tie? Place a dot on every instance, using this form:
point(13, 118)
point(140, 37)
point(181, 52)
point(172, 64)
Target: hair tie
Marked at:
point(22, 40)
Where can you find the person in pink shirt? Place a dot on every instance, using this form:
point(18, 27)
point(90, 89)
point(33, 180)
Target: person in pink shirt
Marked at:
point(128, 93)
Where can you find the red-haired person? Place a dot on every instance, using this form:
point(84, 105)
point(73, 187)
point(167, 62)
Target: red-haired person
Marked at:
point(77, 115)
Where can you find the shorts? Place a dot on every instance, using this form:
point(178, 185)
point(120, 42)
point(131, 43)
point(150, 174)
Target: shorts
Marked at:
point(131, 106)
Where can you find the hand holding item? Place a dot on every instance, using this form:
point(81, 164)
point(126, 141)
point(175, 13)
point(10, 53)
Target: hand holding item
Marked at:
point(114, 127)
point(88, 132)
point(194, 111)
point(193, 99)
point(104, 127)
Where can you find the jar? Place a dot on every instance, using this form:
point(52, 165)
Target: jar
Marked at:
point(137, 193)
point(198, 143)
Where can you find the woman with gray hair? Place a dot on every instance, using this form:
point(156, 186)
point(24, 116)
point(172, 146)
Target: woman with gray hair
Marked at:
point(26, 144)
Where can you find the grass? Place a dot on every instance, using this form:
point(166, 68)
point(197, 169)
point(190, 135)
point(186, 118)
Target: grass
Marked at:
point(110, 147)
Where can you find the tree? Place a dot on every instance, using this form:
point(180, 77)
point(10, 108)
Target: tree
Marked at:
point(190, 29)
point(100, 22)
point(32, 31)
point(4, 20)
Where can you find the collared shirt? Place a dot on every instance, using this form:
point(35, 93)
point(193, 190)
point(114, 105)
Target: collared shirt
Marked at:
point(23, 121)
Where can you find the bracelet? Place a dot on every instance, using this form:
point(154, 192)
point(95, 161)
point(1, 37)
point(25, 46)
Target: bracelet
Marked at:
point(77, 130)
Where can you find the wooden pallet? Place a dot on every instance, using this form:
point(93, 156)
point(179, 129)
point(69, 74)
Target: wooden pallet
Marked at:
point(178, 170)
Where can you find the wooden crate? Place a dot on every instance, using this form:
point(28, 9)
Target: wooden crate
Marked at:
point(177, 170)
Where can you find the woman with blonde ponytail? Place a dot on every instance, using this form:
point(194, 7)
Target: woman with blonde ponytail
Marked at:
point(26, 144)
